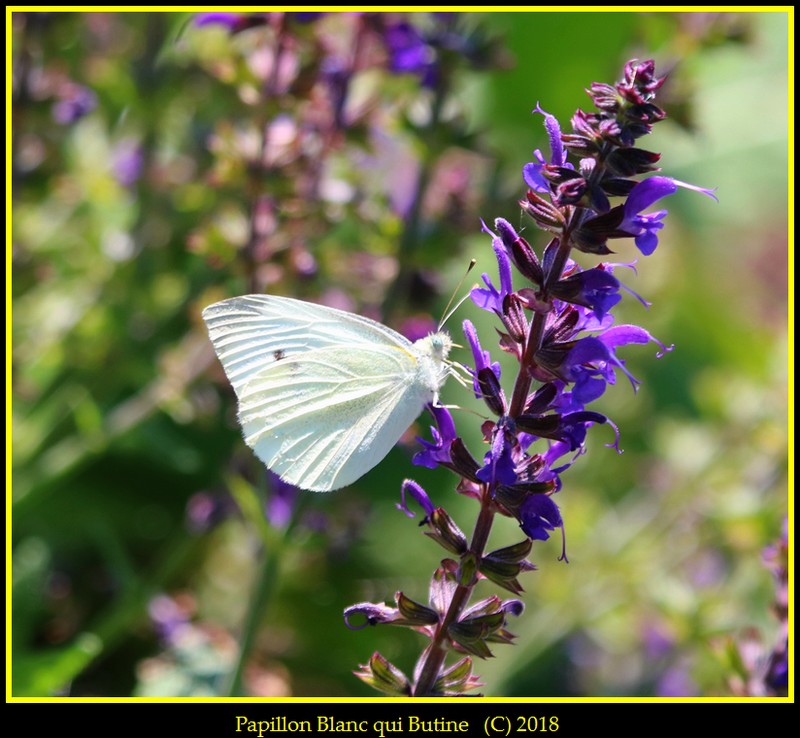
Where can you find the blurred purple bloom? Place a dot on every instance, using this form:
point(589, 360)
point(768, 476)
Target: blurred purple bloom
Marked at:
point(676, 682)
point(408, 53)
point(281, 501)
point(417, 326)
point(167, 617)
point(127, 161)
point(229, 20)
point(205, 510)
point(76, 102)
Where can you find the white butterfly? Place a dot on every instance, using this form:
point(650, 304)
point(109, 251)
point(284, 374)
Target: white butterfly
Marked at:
point(323, 394)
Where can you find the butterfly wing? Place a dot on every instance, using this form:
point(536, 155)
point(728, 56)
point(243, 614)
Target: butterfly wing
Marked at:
point(323, 418)
point(252, 332)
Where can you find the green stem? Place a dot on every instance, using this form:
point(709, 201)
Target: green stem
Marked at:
point(262, 594)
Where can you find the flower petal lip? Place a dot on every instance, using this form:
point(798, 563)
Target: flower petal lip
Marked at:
point(642, 196)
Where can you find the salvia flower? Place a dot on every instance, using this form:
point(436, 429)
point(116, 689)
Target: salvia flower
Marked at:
point(645, 227)
point(558, 327)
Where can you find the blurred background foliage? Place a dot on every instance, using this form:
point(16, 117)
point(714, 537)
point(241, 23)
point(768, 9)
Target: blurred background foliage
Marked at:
point(161, 163)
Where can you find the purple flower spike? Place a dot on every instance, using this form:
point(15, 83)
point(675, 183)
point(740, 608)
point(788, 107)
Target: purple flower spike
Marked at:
point(642, 196)
point(560, 336)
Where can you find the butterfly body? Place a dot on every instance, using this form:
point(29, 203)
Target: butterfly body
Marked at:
point(323, 394)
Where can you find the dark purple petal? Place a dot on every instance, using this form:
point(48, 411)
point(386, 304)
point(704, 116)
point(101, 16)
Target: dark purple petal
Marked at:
point(538, 515)
point(596, 288)
point(514, 607)
point(573, 427)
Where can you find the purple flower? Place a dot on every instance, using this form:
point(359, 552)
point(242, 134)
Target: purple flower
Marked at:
point(645, 227)
point(169, 619)
point(408, 53)
point(538, 515)
point(591, 363)
point(491, 299)
point(127, 162)
point(532, 172)
point(482, 358)
point(229, 20)
point(373, 613)
point(573, 427)
point(205, 511)
point(597, 289)
point(419, 494)
point(281, 502)
point(438, 452)
point(499, 467)
point(418, 326)
point(676, 682)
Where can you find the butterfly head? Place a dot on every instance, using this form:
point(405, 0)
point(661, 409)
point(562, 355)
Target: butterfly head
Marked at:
point(436, 345)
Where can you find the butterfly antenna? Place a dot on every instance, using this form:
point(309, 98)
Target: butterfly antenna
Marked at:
point(449, 312)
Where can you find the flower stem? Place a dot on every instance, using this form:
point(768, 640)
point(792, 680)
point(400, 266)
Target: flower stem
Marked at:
point(437, 651)
point(268, 576)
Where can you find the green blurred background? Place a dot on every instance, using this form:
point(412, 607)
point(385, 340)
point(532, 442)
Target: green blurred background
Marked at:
point(121, 417)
